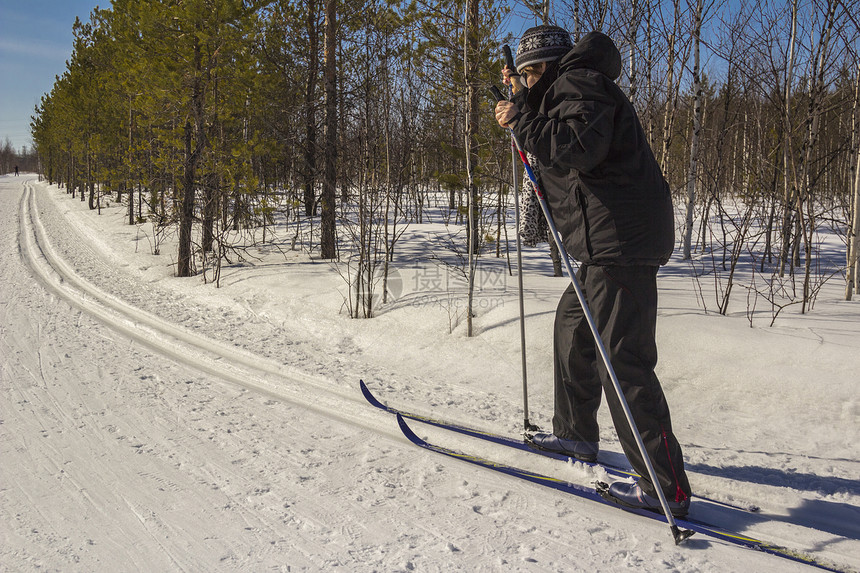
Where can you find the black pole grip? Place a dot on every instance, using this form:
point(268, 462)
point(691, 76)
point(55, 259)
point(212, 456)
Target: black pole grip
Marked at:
point(509, 57)
point(497, 93)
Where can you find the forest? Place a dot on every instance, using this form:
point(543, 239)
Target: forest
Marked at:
point(345, 121)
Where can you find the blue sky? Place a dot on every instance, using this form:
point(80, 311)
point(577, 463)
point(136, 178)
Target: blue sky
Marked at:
point(35, 42)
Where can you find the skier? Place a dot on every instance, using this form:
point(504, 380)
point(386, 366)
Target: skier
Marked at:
point(16, 171)
point(612, 205)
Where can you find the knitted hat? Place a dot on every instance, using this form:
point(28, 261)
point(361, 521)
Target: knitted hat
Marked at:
point(542, 44)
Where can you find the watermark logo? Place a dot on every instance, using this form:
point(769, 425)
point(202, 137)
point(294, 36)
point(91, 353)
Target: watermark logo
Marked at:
point(380, 288)
point(437, 285)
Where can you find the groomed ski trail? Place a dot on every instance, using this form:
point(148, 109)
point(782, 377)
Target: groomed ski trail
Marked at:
point(453, 519)
point(231, 364)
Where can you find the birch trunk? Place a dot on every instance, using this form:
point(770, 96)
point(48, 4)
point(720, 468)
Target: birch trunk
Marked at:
point(694, 140)
point(786, 147)
point(813, 122)
point(852, 282)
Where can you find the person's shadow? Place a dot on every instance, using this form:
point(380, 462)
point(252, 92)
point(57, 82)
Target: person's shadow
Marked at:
point(837, 518)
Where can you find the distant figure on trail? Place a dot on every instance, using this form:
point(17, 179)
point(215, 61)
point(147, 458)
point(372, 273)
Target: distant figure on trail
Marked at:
point(16, 171)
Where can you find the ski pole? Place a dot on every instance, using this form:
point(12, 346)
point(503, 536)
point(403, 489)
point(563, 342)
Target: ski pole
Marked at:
point(527, 425)
point(678, 534)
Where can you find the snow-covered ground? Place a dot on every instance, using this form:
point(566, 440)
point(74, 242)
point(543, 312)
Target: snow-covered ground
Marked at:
point(158, 424)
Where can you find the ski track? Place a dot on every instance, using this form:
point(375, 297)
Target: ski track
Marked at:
point(137, 437)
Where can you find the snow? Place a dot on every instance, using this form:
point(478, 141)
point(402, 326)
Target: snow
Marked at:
point(163, 424)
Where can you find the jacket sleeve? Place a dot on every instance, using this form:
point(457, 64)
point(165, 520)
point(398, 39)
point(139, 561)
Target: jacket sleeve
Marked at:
point(576, 133)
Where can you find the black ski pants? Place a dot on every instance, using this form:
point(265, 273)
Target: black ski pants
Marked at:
point(623, 302)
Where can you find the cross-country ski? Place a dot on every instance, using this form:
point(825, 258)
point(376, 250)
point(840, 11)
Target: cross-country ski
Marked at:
point(598, 495)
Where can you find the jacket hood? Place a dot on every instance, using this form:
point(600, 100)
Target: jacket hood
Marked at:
point(595, 51)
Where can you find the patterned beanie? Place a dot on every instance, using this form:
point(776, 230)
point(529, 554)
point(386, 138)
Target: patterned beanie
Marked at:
point(542, 44)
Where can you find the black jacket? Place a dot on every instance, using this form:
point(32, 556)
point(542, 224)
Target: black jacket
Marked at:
point(605, 190)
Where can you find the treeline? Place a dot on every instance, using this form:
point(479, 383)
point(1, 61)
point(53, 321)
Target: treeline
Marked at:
point(216, 110)
point(217, 115)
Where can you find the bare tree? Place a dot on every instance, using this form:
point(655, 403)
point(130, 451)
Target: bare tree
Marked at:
point(676, 52)
point(697, 128)
point(787, 165)
point(310, 166)
point(470, 70)
point(852, 279)
point(328, 237)
point(817, 93)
